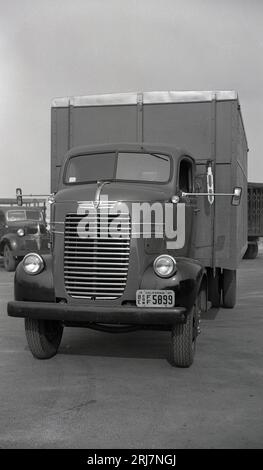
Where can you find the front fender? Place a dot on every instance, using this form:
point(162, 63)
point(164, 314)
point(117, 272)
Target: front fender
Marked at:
point(185, 282)
point(37, 288)
point(12, 240)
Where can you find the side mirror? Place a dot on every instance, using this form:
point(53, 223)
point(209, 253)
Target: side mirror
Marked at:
point(51, 198)
point(236, 198)
point(210, 184)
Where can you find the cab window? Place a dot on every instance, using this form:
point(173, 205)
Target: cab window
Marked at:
point(186, 176)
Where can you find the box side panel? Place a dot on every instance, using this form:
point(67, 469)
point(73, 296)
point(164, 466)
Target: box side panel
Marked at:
point(185, 125)
point(104, 124)
point(224, 131)
point(75, 126)
point(231, 221)
point(224, 176)
point(242, 165)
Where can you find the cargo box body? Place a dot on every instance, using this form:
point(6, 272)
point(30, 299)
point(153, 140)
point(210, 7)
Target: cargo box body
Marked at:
point(208, 125)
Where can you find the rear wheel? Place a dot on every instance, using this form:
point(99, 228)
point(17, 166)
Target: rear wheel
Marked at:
point(255, 251)
point(183, 341)
point(252, 251)
point(229, 288)
point(9, 259)
point(43, 337)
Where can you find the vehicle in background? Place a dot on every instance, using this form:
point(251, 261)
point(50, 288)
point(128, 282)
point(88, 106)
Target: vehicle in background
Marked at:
point(22, 230)
point(184, 149)
point(255, 218)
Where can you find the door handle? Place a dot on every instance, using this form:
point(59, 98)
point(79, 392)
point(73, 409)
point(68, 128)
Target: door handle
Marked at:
point(197, 210)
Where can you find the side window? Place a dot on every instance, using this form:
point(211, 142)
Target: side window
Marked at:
point(186, 176)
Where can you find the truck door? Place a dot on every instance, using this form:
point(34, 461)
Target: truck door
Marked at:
point(204, 217)
point(186, 172)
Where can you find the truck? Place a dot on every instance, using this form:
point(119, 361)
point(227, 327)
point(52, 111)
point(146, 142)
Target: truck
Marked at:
point(148, 218)
point(255, 218)
point(22, 230)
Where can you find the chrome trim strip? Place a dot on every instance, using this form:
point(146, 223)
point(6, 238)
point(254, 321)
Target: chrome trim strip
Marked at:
point(81, 240)
point(97, 262)
point(91, 267)
point(81, 283)
point(100, 278)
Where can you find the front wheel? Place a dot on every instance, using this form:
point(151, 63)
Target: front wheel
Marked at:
point(9, 259)
point(183, 341)
point(43, 337)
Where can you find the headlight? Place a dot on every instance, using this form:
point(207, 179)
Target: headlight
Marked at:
point(20, 232)
point(33, 263)
point(164, 266)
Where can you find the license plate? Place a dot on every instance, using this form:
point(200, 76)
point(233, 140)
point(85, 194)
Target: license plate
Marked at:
point(155, 298)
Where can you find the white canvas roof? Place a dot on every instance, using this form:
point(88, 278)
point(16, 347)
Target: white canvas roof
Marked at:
point(150, 97)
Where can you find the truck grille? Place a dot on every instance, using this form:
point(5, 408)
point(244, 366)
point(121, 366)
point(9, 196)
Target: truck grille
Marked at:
point(96, 267)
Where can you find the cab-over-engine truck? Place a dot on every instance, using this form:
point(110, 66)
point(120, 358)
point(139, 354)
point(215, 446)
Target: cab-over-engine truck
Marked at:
point(184, 149)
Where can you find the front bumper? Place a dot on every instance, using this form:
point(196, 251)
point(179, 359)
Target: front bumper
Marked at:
point(124, 315)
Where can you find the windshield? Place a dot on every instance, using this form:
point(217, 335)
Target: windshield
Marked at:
point(129, 166)
point(15, 215)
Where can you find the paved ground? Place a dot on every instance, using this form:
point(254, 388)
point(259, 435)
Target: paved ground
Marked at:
point(119, 390)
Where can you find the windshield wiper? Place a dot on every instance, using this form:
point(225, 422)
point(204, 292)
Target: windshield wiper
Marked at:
point(159, 156)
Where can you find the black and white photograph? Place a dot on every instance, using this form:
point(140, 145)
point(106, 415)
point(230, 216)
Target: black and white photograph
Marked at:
point(131, 228)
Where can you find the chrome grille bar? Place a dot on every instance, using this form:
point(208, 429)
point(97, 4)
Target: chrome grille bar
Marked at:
point(96, 266)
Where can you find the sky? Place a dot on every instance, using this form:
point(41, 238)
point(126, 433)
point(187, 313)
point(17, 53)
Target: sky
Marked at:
point(52, 48)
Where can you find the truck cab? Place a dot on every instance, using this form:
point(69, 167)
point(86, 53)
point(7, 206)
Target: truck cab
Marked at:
point(109, 270)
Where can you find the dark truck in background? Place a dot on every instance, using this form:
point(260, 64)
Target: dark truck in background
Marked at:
point(22, 230)
point(255, 218)
point(184, 149)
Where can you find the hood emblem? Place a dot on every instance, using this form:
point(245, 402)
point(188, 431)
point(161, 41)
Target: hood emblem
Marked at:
point(100, 185)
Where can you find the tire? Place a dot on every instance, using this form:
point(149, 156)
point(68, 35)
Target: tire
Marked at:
point(183, 340)
point(214, 288)
point(43, 337)
point(252, 251)
point(229, 288)
point(202, 298)
point(255, 251)
point(9, 259)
